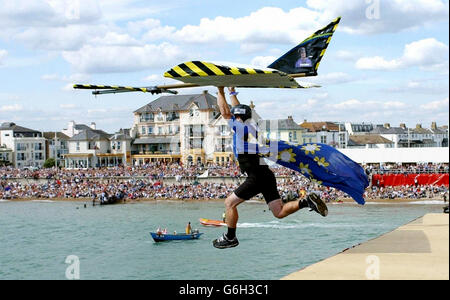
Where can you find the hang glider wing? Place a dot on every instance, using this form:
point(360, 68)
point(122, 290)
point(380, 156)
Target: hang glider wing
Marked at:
point(210, 74)
point(113, 89)
point(304, 59)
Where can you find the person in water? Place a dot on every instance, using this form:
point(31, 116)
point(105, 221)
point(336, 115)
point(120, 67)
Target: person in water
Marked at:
point(260, 179)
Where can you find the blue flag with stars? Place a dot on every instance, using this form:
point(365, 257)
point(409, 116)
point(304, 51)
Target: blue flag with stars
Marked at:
point(324, 165)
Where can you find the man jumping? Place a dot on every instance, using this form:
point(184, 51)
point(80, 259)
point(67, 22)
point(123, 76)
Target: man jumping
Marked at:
point(260, 179)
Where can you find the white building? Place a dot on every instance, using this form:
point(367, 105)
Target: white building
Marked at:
point(329, 133)
point(186, 128)
point(369, 141)
point(56, 146)
point(417, 137)
point(93, 148)
point(27, 145)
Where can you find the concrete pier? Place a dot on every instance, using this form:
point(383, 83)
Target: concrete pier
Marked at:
point(415, 251)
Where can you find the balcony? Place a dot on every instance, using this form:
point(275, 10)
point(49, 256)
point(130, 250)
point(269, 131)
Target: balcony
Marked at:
point(167, 152)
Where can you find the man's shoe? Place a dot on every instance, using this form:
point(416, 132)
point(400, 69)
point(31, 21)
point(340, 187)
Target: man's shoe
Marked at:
point(223, 242)
point(316, 204)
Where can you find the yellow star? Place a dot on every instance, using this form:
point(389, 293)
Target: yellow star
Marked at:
point(311, 148)
point(321, 161)
point(304, 168)
point(316, 181)
point(287, 155)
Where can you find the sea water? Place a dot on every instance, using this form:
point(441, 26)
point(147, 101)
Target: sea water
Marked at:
point(113, 242)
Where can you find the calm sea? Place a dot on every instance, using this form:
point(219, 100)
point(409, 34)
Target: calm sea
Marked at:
point(113, 242)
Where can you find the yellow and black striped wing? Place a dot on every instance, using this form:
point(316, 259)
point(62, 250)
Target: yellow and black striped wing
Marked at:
point(209, 74)
point(112, 87)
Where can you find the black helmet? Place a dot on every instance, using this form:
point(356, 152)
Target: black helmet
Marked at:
point(243, 111)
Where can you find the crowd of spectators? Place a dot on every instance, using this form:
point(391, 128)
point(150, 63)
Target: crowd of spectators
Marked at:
point(148, 182)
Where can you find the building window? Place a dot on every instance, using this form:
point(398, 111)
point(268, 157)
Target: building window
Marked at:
point(118, 146)
point(323, 139)
point(150, 130)
point(144, 131)
point(78, 146)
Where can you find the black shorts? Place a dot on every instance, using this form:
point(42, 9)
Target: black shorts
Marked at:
point(260, 180)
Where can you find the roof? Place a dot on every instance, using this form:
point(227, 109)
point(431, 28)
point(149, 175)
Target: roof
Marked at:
point(16, 128)
point(158, 140)
point(120, 137)
point(368, 139)
point(420, 130)
point(380, 129)
point(320, 126)
point(283, 124)
point(179, 102)
point(91, 134)
point(59, 135)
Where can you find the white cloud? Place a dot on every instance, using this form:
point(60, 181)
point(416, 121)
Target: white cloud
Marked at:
point(346, 55)
point(11, 108)
point(428, 54)
point(153, 78)
point(68, 106)
point(103, 59)
point(3, 54)
point(394, 15)
point(439, 106)
point(44, 13)
point(283, 27)
point(333, 78)
point(263, 61)
point(424, 86)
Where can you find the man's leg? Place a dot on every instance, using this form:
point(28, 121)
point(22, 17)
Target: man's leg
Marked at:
point(228, 240)
point(231, 212)
point(281, 210)
point(312, 201)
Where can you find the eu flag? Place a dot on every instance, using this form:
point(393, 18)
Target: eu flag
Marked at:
point(324, 165)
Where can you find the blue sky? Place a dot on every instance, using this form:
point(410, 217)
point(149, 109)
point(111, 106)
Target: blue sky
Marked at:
point(387, 62)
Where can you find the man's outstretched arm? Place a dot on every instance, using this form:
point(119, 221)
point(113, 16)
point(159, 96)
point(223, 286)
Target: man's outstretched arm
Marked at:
point(223, 105)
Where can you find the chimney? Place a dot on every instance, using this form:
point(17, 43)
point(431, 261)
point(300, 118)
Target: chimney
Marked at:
point(418, 126)
point(387, 125)
point(290, 118)
point(434, 126)
point(71, 128)
point(403, 125)
point(93, 126)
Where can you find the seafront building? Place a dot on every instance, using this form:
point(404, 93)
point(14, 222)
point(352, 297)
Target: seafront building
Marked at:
point(286, 130)
point(185, 128)
point(330, 133)
point(191, 130)
point(56, 146)
point(22, 146)
point(89, 147)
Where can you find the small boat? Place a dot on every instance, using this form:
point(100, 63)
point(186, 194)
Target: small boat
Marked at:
point(160, 237)
point(208, 222)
